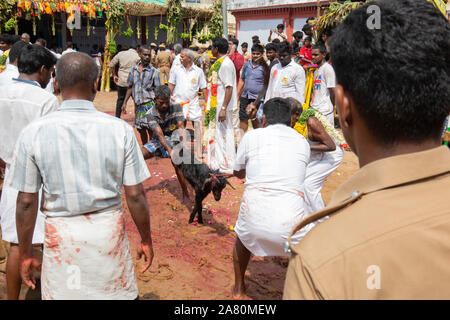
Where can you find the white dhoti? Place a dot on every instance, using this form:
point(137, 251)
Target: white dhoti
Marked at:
point(87, 257)
point(222, 151)
point(321, 165)
point(8, 216)
point(267, 217)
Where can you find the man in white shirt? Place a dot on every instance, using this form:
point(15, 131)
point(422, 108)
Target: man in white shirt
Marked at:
point(324, 83)
point(273, 160)
point(6, 77)
point(287, 78)
point(277, 34)
point(68, 49)
point(21, 102)
point(185, 82)
point(221, 152)
point(177, 48)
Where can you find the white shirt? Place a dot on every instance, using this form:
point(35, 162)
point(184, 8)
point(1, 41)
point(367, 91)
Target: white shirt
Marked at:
point(279, 37)
point(20, 104)
point(275, 155)
point(10, 72)
point(288, 81)
point(68, 50)
point(324, 78)
point(226, 78)
point(187, 84)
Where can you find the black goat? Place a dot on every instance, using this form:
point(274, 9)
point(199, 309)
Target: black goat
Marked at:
point(202, 179)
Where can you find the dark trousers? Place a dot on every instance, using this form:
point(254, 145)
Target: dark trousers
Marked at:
point(121, 92)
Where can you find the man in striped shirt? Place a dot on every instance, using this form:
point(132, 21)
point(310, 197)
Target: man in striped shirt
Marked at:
point(82, 157)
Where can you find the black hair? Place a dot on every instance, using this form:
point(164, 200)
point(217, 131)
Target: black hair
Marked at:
point(328, 32)
point(17, 47)
point(258, 47)
point(162, 92)
point(255, 38)
point(298, 34)
point(235, 42)
point(321, 47)
point(145, 47)
point(271, 46)
point(277, 41)
point(244, 45)
point(221, 44)
point(69, 45)
point(309, 19)
point(401, 94)
point(6, 38)
point(43, 41)
point(280, 26)
point(284, 47)
point(308, 38)
point(15, 38)
point(32, 57)
point(277, 111)
point(306, 27)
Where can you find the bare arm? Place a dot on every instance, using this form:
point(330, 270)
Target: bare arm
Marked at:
point(140, 212)
point(125, 101)
point(240, 87)
point(160, 135)
point(226, 101)
point(171, 87)
point(316, 132)
point(26, 213)
point(251, 111)
point(332, 96)
point(228, 94)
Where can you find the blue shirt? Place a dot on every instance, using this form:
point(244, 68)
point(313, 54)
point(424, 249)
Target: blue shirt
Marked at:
point(254, 80)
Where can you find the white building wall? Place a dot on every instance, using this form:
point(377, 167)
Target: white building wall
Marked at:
point(249, 28)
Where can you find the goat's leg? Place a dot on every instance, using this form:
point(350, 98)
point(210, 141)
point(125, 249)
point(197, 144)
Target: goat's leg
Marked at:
point(196, 204)
point(200, 207)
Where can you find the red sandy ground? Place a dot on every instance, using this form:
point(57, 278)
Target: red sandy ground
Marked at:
point(195, 261)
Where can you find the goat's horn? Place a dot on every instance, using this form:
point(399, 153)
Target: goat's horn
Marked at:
point(227, 182)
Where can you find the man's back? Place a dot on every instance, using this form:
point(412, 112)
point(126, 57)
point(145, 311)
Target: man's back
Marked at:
point(275, 155)
point(164, 59)
point(82, 155)
point(126, 60)
point(20, 104)
point(391, 243)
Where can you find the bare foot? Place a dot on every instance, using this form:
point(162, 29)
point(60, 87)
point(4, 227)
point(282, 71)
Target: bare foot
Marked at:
point(238, 294)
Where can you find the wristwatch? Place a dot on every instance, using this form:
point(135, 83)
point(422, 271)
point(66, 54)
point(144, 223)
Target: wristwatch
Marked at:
point(223, 108)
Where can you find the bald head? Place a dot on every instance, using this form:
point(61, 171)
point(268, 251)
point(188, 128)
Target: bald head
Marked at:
point(76, 69)
point(25, 37)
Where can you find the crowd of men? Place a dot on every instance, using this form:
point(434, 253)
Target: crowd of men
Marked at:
point(65, 163)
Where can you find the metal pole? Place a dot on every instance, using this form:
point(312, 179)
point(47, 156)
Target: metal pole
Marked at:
point(224, 19)
point(318, 8)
